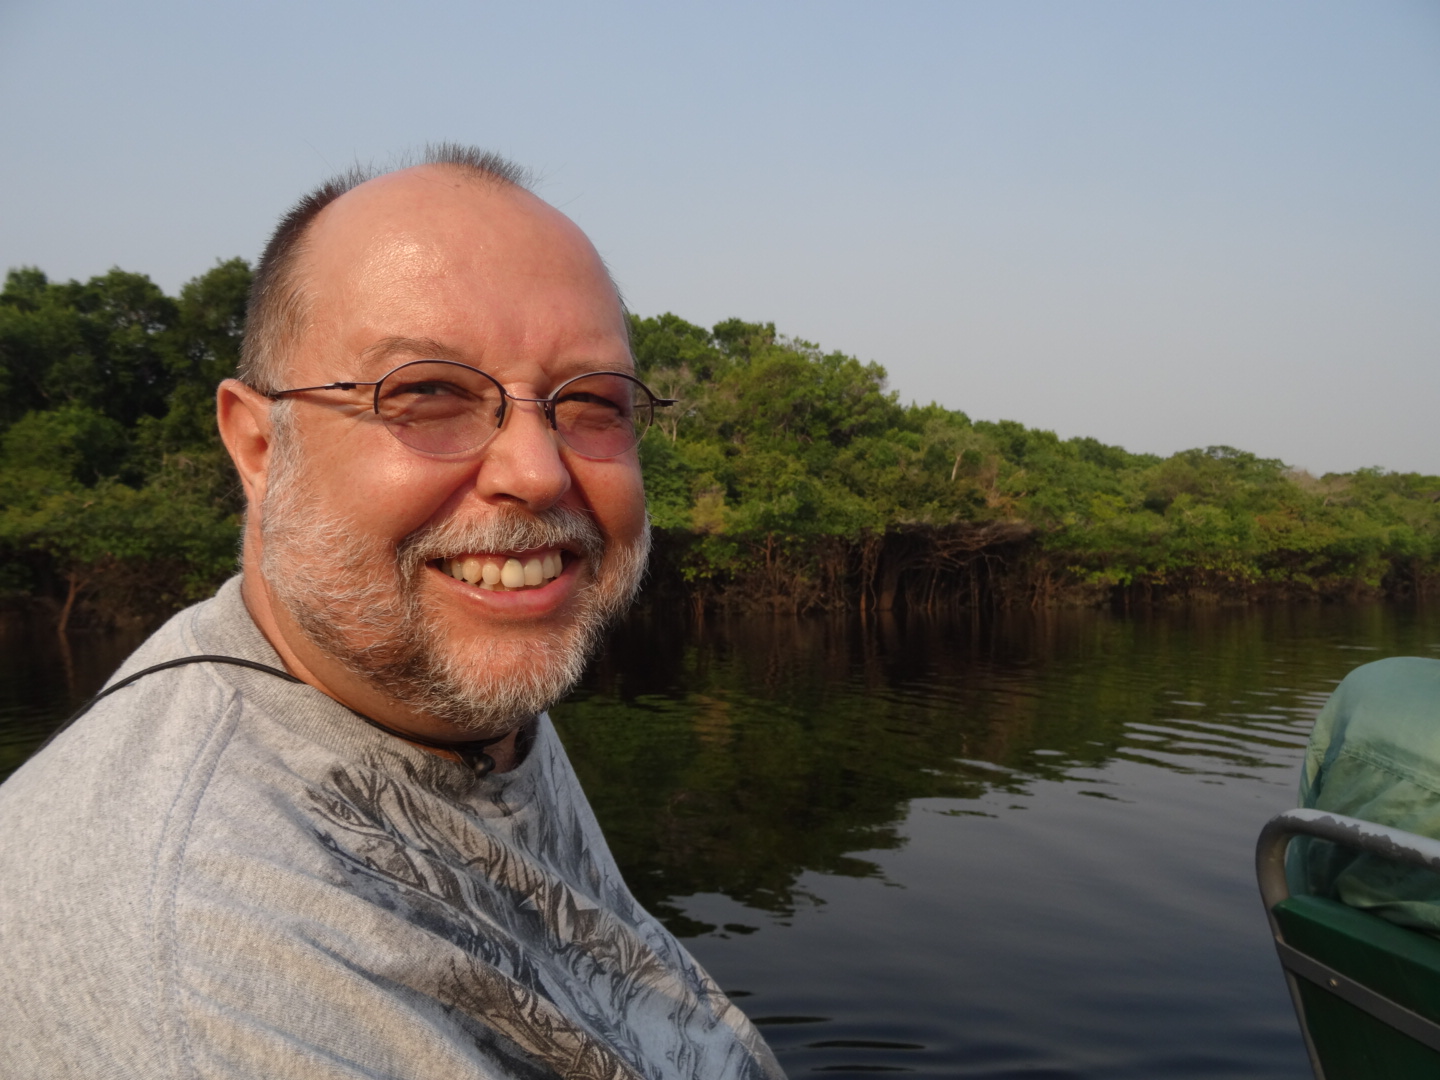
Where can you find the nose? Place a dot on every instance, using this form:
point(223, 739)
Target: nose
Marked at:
point(522, 463)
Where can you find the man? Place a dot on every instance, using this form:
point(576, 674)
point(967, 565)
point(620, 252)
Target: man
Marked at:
point(348, 843)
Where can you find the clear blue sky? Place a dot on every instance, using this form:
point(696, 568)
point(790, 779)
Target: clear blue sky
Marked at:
point(1163, 224)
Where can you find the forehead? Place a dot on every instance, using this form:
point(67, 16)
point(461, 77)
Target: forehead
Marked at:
point(491, 274)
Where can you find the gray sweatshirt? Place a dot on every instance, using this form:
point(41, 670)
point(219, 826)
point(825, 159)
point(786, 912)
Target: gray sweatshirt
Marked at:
point(217, 873)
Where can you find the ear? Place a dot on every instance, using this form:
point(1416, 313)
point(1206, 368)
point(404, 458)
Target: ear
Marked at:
point(243, 415)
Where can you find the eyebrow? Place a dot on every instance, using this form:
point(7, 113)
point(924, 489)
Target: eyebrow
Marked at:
point(419, 348)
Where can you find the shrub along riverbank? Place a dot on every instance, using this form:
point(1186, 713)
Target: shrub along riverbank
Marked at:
point(788, 478)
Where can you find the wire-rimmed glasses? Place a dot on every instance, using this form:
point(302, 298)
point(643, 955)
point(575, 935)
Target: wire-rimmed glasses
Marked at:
point(444, 408)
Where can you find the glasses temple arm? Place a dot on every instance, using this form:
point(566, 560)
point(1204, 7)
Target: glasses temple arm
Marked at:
point(327, 386)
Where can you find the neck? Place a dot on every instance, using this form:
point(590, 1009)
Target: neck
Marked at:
point(305, 662)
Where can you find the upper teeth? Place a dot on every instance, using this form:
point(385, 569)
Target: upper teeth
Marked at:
point(498, 572)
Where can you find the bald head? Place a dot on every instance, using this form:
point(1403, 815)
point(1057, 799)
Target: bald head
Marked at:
point(281, 296)
point(488, 270)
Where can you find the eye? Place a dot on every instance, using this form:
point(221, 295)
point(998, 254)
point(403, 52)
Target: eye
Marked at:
point(582, 398)
point(427, 388)
point(600, 394)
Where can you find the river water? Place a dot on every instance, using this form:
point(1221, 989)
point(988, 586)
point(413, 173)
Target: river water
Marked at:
point(1012, 848)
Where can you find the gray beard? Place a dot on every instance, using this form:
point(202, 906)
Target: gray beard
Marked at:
point(359, 601)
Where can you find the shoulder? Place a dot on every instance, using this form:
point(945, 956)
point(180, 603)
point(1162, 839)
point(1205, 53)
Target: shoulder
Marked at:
point(1395, 701)
point(95, 803)
point(95, 812)
point(86, 825)
point(1379, 728)
point(1413, 680)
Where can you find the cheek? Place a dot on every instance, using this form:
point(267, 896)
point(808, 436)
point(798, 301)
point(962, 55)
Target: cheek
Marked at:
point(384, 493)
point(616, 495)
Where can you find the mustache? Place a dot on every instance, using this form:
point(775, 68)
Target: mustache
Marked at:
point(504, 529)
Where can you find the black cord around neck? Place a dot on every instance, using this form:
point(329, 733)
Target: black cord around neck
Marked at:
point(472, 753)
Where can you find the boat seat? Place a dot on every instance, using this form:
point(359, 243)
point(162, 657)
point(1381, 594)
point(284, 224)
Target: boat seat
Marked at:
point(1366, 991)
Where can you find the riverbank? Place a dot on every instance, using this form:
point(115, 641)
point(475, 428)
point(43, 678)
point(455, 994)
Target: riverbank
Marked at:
point(1007, 567)
point(786, 479)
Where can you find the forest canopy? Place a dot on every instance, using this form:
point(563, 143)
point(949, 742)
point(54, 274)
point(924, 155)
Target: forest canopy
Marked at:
point(788, 477)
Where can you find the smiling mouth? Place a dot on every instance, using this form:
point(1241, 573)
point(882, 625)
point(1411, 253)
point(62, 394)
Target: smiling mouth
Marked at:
point(505, 573)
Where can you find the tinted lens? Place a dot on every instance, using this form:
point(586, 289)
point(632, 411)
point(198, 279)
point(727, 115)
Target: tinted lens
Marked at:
point(602, 415)
point(438, 407)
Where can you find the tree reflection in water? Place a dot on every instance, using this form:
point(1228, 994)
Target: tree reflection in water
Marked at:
point(731, 756)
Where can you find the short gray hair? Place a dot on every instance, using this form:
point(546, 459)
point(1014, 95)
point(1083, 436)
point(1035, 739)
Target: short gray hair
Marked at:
point(278, 304)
